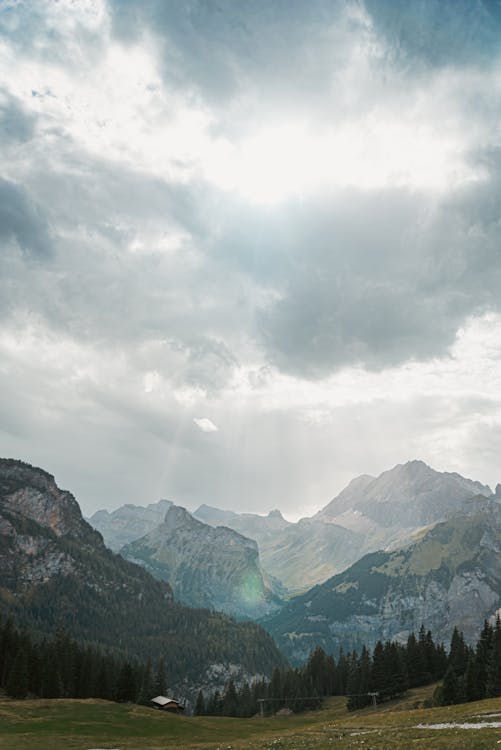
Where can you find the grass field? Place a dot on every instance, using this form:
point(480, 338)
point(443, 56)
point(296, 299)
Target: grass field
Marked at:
point(89, 724)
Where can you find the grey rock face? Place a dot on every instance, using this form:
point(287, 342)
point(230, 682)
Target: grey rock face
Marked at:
point(43, 535)
point(296, 555)
point(450, 577)
point(411, 494)
point(389, 509)
point(206, 567)
point(33, 494)
point(371, 513)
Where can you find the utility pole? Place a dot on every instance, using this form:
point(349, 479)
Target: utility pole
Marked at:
point(373, 696)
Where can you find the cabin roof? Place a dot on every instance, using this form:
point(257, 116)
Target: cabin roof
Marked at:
point(161, 700)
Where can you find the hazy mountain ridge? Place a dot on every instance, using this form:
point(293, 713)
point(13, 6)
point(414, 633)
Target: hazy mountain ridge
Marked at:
point(55, 572)
point(410, 494)
point(371, 513)
point(206, 566)
point(298, 555)
point(450, 576)
point(390, 509)
point(128, 522)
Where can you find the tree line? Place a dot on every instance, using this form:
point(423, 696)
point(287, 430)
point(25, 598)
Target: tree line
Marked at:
point(472, 673)
point(386, 672)
point(62, 668)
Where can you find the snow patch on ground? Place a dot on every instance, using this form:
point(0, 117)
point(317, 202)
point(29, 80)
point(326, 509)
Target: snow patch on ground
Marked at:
point(476, 725)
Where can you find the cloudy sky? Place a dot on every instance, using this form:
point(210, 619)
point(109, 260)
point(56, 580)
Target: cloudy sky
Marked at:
point(249, 249)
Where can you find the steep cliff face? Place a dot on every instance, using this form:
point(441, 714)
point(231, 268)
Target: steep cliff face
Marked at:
point(295, 556)
point(56, 572)
point(39, 525)
point(129, 522)
point(450, 577)
point(206, 566)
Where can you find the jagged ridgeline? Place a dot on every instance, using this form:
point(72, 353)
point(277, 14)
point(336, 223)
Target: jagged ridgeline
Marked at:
point(450, 576)
point(56, 573)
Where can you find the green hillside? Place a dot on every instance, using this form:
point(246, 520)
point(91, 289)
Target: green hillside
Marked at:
point(80, 725)
point(449, 577)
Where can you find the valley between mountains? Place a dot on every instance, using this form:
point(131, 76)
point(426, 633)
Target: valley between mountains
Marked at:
point(410, 546)
point(233, 595)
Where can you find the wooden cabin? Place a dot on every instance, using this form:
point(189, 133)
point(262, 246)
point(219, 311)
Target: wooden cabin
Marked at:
point(167, 704)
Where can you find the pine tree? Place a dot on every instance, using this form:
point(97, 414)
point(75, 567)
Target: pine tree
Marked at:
point(354, 687)
point(450, 687)
point(275, 687)
point(423, 649)
point(146, 690)
point(341, 675)
point(482, 659)
point(160, 683)
point(493, 686)
point(230, 700)
point(473, 689)
point(458, 653)
point(8, 639)
point(200, 704)
point(396, 673)
point(18, 680)
point(126, 686)
point(103, 681)
point(379, 669)
point(245, 701)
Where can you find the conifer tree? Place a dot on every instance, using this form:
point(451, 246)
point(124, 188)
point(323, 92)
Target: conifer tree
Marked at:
point(245, 701)
point(353, 683)
point(145, 685)
point(17, 681)
point(379, 667)
point(458, 653)
point(450, 687)
point(126, 686)
point(473, 688)
point(103, 681)
point(230, 700)
point(160, 682)
point(200, 704)
point(493, 678)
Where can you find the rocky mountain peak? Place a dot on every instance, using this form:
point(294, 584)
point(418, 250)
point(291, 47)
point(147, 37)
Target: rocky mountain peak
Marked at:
point(410, 495)
point(177, 516)
point(207, 566)
point(33, 493)
point(275, 515)
point(128, 522)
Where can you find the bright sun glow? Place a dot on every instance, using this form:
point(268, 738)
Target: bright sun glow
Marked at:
point(282, 162)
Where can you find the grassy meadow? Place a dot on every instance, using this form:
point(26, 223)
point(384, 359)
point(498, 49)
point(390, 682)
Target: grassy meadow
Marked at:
point(90, 724)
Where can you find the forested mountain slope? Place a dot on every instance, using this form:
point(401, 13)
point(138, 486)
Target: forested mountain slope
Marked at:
point(55, 572)
point(451, 576)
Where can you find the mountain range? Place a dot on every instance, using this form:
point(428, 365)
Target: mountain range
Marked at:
point(128, 522)
point(56, 573)
point(388, 553)
point(209, 567)
point(450, 576)
point(371, 513)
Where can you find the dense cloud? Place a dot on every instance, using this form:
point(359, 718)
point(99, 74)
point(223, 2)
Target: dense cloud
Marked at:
point(438, 32)
point(22, 221)
point(251, 215)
